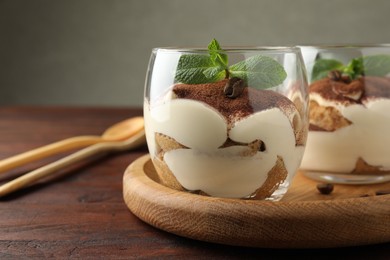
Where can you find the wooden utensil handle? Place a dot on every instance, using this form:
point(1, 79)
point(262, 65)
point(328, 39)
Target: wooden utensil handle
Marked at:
point(47, 150)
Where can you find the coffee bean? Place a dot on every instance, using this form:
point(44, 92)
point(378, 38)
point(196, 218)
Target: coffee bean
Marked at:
point(335, 75)
point(346, 79)
point(325, 188)
point(234, 87)
point(382, 192)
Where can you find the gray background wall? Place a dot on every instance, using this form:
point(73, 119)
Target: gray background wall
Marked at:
point(95, 52)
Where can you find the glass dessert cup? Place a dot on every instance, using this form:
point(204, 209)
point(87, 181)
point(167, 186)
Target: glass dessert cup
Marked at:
point(349, 121)
point(218, 133)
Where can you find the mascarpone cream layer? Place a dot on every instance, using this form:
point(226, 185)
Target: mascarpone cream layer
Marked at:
point(221, 171)
point(367, 137)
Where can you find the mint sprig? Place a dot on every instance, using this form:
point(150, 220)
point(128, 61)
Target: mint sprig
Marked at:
point(374, 65)
point(258, 71)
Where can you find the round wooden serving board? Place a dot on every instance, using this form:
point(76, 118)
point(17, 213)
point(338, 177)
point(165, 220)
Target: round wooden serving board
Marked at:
point(304, 218)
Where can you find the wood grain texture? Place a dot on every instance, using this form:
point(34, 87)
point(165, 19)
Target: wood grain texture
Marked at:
point(303, 219)
point(79, 212)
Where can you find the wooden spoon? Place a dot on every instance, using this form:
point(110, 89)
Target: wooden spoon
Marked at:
point(137, 139)
point(120, 131)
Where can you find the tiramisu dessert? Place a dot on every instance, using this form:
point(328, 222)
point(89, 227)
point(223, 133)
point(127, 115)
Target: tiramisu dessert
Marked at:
point(350, 118)
point(225, 138)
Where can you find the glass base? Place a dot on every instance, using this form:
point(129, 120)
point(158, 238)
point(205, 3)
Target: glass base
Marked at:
point(340, 178)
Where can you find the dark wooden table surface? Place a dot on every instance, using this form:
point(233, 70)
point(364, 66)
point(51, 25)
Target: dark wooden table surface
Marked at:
point(79, 212)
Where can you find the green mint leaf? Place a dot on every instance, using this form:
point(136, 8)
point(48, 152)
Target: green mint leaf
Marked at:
point(322, 67)
point(220, 59)
point(376, 65)
point(196, 69)
point(259, 71)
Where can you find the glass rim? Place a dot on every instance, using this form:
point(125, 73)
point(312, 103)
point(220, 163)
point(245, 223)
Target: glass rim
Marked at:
point(344, 46)
point(231, 49)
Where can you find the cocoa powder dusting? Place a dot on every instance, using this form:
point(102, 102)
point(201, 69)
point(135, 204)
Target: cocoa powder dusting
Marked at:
point(251, 100)
point(374, 87)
